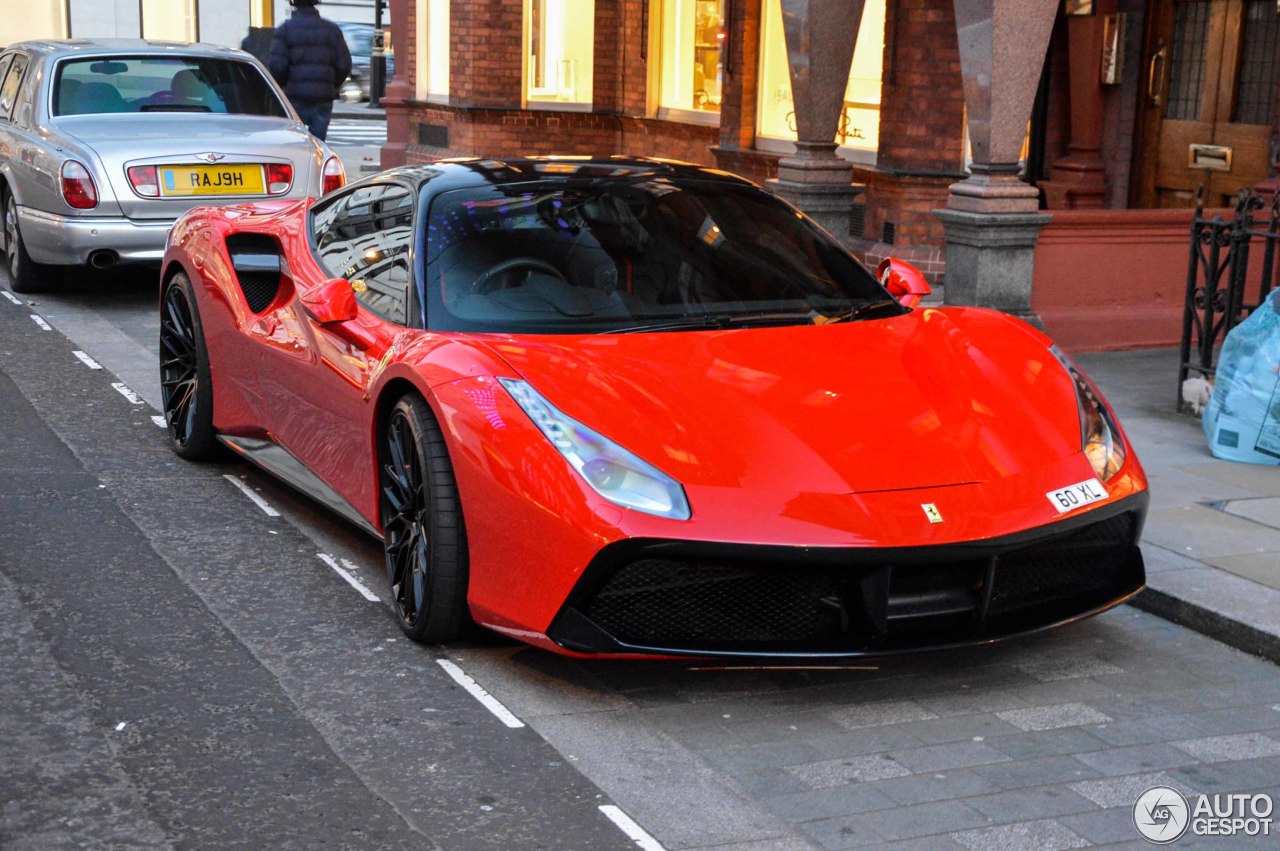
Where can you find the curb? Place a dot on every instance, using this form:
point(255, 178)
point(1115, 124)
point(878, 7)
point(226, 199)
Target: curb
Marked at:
point(359, 112)
point(1220, 605)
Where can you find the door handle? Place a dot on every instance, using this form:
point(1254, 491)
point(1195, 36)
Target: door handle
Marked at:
point(1155, 80)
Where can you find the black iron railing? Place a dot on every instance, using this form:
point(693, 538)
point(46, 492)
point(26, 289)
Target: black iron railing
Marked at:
point(1218, 278)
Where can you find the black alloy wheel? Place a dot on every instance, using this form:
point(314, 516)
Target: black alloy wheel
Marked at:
point(25, 275)
point(423, 536)
point(185, 387)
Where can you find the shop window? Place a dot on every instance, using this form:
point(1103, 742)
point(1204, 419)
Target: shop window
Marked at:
point(858, 133)
point(167, 20)
point(691, 41)
point(433, 50)
point(559, 36)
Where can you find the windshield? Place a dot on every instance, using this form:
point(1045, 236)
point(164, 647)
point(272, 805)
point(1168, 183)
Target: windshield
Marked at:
point(359, 40)
point(633, 255)
point(104, 85)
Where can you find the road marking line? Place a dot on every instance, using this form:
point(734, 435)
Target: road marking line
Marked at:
point(627, 825)
point(120, 726)
point(39, 320)
point(351, 580)
point(13, 298)
point(159, 420)
point(487, 700)
point(248, 491)
point(86, 360)
point(123, 389)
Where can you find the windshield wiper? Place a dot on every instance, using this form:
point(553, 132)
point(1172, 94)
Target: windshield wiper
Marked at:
point(863, 311)
point(709, 322)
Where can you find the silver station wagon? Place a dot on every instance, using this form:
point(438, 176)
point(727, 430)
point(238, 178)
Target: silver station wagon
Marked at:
point(103, 144)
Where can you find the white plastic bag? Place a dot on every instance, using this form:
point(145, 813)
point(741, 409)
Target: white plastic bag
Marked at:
point(1242, 422)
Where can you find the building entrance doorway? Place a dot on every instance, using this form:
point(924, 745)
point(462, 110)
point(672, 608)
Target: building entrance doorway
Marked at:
point(1208, 100)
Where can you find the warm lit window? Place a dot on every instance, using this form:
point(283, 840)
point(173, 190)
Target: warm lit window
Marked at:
point(859, 128)
point(38, 19)
point(169, 20)
point(692, 37)
point(558, 51)
point(433, 50)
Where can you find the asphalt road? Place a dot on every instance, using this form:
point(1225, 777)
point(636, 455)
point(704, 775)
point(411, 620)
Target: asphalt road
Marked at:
point(180, 668)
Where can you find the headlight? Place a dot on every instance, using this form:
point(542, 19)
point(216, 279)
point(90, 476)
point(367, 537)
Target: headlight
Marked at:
point(616, 474)
point(1099, 436)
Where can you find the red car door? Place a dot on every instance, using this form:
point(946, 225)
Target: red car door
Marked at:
point(316, 370)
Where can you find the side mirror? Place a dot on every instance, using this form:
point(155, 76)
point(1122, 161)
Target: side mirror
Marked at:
point(903, 281)
point(332, 301)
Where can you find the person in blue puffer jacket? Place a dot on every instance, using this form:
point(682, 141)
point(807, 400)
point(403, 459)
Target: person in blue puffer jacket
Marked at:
point(310, 59)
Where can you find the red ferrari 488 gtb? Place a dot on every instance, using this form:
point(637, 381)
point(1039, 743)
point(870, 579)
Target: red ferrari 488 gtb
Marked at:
point(632, 407)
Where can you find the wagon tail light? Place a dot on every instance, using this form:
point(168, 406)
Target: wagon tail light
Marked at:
point(617, 475)
point(334, 176)
point(279, 178)
point(144, 180)
point(1099, 435)
point(78, 188)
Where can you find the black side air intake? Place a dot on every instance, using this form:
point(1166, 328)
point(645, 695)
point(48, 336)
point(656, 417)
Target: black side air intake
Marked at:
point(256, 260)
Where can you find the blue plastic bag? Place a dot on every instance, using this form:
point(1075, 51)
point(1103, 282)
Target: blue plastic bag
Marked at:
point(1242, 421)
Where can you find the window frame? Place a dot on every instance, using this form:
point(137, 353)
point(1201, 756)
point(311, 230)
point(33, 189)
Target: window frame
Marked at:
point(17, 56)
point(414, 315)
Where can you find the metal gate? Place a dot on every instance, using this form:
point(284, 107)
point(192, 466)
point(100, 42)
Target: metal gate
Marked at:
point(1218, 278)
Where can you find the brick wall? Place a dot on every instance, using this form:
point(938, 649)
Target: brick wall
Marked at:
point(487, 41)
point(921, 137)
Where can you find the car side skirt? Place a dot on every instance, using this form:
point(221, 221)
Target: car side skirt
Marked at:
point(278, 461)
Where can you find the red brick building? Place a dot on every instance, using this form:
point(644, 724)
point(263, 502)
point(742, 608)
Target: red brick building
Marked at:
point(1071, 133)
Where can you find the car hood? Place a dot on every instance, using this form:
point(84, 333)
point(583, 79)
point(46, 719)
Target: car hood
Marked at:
point(179, 137)
point(935, 397)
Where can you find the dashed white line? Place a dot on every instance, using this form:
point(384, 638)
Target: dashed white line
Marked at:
point(348, 576)
point(120, 726)
point(86, 360)
point(123, 389)
point(627, 825)
point(159, 420)
point(249, 492)
point(13, 298)
point(39, 320)
point(487, 700)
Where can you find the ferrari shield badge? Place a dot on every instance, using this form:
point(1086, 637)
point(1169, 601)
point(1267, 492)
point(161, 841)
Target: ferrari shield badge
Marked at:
point(931, 511)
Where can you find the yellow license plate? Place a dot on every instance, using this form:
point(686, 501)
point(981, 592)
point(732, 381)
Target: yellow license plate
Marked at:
point(212, 180)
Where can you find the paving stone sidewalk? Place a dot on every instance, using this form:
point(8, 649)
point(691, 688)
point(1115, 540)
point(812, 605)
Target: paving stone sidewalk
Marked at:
point(1212, 539)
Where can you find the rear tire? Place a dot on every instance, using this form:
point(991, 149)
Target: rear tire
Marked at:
point(185, 385)
point(423, 534)
point(25, 275)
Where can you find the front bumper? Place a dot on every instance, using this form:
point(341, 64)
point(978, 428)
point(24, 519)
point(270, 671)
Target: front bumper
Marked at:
point(68, 241)
point(712, 599)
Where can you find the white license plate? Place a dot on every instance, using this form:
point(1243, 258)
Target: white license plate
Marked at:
point(1074, 496)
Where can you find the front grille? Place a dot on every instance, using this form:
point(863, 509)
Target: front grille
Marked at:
point(665, 595)
point(662, 601)
point(1084, 564)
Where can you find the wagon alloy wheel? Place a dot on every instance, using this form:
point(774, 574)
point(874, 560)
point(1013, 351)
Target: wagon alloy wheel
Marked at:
point(185, 386)
point(422, 529)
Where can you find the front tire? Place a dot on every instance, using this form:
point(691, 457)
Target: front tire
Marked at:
point(25, 275)
point(423, 534)
point(185, 385)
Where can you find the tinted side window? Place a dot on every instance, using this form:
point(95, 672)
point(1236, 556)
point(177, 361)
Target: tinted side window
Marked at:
point(9, 88)
point(364, 236)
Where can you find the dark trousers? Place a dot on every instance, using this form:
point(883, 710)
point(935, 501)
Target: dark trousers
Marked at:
point(315, 116)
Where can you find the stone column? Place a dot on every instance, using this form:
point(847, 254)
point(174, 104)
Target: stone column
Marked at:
point(992, 219)
point(399, 91)
point(1079, 180)
point(820, 36)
